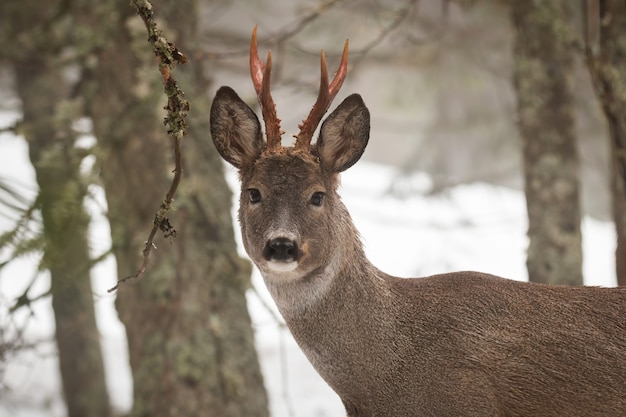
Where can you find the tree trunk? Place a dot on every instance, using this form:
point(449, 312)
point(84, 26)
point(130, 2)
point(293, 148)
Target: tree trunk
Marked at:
point(189, 333)
point(543, 60)
point(606, 59)
point(47, 122)
point(619, 211)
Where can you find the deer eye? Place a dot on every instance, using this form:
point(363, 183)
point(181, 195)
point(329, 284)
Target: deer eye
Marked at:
point(317, 198)
point(255, 195)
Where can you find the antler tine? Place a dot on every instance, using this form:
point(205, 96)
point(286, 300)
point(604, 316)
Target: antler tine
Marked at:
point(325, 97)
point(261, 74)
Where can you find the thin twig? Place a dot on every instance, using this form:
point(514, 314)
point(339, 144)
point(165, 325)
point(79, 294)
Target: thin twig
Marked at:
point(284, 372)
point(177, 108)
point(279, 322)
point(402, 14)
point(14, 128)
point(299, 25)
point(282, 35)
point(284, 366)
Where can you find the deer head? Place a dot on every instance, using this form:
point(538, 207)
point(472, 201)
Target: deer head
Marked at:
point(289, 208)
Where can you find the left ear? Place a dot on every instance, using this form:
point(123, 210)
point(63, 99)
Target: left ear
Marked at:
point(344, 134)
point(235, 129)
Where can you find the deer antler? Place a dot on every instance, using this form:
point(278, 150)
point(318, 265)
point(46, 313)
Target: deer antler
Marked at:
point(260, 74)
point(325, 97)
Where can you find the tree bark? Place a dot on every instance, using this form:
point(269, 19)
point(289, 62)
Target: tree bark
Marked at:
point(190, 337)
point(543, 59)
point(48, 119)
point(619, 204)
point(606, 60)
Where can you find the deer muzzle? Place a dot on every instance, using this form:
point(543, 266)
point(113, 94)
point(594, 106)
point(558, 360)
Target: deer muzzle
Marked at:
point(281, 249)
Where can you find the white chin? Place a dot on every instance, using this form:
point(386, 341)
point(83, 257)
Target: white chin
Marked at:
point(282, 266)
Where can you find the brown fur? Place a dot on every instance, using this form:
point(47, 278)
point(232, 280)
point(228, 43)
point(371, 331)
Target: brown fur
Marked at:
point(461, 344)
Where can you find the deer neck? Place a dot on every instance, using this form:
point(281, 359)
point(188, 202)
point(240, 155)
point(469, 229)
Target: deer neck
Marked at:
point(323, 310)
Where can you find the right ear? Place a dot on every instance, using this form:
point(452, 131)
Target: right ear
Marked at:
point(344, 134)
point(235, 129)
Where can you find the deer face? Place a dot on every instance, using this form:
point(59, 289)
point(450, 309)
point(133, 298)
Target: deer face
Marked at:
point(290, 213)
point(286, 207)
point(289, 210)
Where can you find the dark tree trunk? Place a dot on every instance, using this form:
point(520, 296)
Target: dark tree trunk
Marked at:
point(190, 336)
point(543, 60)
point(47, 124)
point(606, 59)
point(619, 212)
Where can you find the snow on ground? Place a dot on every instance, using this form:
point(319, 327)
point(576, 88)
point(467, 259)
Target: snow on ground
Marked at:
point(472, 227)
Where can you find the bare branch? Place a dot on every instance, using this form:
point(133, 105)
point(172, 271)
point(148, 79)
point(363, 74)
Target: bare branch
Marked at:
point(285, 33)
point(177, 108)
point(360, 53)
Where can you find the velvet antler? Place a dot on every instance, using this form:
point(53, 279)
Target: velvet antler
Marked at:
point(325, 97)
point(260, 74)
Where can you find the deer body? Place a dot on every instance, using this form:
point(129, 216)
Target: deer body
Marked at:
point(461, 344)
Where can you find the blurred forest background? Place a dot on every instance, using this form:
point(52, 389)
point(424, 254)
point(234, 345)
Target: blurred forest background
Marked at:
point(523, 94)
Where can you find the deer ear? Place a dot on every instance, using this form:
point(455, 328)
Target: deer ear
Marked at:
point(344, 134)
point(235, 129)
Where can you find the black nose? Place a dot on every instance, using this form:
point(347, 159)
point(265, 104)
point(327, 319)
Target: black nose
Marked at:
point(281, 249)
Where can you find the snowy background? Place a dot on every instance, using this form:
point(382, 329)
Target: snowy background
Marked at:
point(471, 227)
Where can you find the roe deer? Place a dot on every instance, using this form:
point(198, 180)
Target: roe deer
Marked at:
point(459, 344)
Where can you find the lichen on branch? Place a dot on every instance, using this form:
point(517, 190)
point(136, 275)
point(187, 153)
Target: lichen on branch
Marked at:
point(168, 56)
